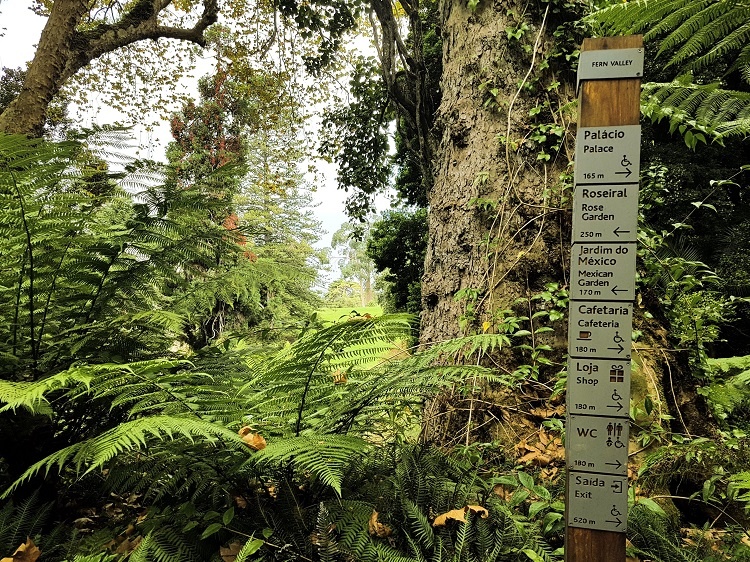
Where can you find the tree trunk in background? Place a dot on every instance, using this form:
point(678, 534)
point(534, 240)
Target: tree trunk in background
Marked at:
point(526, 247)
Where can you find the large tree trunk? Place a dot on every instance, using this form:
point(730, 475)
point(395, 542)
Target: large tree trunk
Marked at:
point(525, 249)
point(26, 114)
point(497, 232)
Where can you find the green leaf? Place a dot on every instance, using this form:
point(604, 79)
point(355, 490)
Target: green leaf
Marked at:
point(250, 547)
point(228, 516)
point(212, 529)
point(650, 504)
point(533, 556)
point(535, 508)
point(526, 480)
point(518, 497)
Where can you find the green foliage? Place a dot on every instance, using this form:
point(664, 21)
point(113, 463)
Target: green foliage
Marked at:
point(402, 522)
point(343, 294)
point(238, 148)
point(705, 37)
point(689, 290)
point(728, 391)
point(696, 34)
point(700, 112)
point(655, 537)
point(22, 521)
point(349, 245)
point(355, 135)
point(397, 246)
point(86, 272)
point(329, 407)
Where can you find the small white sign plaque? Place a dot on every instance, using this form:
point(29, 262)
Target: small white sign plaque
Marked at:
point(602, 272)
point(608, 155)
point(598, 387)
point(605, 219)
point(597, 444)
point(610, 63)
point(600, 330)
point(597, 501)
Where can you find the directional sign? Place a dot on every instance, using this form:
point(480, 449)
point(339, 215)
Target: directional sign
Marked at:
point(598, 387)
point(608, 155)
point(600, 330)
point(612, 63)
point(598, 444)
point(605, 219)
point(603, 271)
point(598, 501)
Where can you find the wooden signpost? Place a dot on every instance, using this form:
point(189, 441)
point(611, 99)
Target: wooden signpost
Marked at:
point(602, 290)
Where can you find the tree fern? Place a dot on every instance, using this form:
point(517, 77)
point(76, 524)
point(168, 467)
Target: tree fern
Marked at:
point(707, 109)
point(326, 457)
point(87, 270)
point(129, 436)
point(699, 31)
point(694, 35)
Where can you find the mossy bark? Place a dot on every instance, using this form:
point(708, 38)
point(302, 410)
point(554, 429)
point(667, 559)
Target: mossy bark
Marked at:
point(512, 244)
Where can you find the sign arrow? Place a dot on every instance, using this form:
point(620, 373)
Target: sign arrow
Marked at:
point(627, 172)
point(617, 231)
point(615, 290)
point(619, 408)
point(616, 520)
point(616, 464)
point(619, 348)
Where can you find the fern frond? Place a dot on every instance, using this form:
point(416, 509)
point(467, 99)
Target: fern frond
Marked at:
point(419, 526)
point(31, 395)
point(133, 435)
point(21, 521)
point(324, 456)
point(653, 536)
point(165, 544)
point(695, 33)
point(94, 558)
point(707, 109)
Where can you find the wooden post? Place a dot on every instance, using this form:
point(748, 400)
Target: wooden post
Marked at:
point(604, 102)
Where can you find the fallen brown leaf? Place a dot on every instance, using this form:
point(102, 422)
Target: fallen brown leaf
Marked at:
point(128, 545)
point(376, 528)
point(253, 440)
point(544, 438)
point(339, 377)
point(536, 458)
point(460, 514)
point(27, 552)
point(229, 553)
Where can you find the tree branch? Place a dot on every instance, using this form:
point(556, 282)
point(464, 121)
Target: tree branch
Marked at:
point(139, 23)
